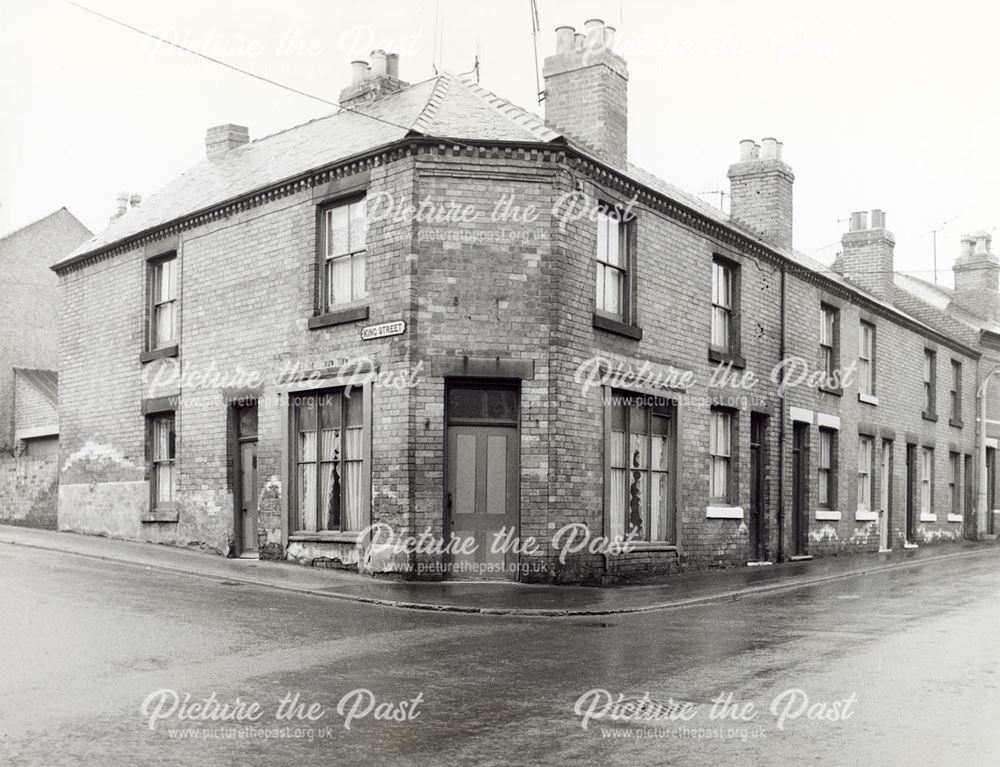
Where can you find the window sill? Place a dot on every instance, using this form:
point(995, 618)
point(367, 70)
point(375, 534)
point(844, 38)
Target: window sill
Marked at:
point(634, 546)
point(956, 422)
point(911, 546)
point(868, 399)
point(724, 512)
point(954, 517)
point(929, 416)
point(827, 515)
point(156, 354)
point(722, 358)
point(162, 514)
point(836, 392)
point(865, 515)
point(339, 317)
point(928, 517)
point(617, 326)
point(325, 537)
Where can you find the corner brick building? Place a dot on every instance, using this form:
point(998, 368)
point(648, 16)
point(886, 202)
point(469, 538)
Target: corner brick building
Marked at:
point(435, 311)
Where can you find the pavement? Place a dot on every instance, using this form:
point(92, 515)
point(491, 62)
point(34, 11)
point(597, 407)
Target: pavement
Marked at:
point(494, 598)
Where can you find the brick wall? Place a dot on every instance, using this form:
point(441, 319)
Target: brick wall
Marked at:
point(29, 491)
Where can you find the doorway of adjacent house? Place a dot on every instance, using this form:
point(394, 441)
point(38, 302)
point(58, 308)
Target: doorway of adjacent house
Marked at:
point(245, 475)
point(885, 509)
point(800, 486)
point(991, 476)
point(910, 530)
point(970, 500)
point(483, 488)
point(758, 487)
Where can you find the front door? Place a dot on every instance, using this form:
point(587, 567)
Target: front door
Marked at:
point(885, 509)
point(911, 492)
point(758, 487)
point(800, 485)
point(246, 478)
point(970, 500)
point(991, 474)
point(483, 489)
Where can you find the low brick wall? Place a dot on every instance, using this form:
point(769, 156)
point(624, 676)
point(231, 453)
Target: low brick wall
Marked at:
point(29, 491)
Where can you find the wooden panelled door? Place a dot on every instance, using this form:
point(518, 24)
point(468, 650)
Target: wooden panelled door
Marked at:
point(483, 488)
point(758, 487)
point(910, 530)
point(885, 496)
point(245, 474)
point(800, 488)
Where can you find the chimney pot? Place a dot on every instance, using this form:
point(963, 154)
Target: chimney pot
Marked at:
point(392, 64)
point(135, 199)
point(359, 71)
point(778, 145)
point(595, 34)
point(859, 220)
point(578, 41)
point(769, 149)
point(968, 244)
point(983, 243)
point(609, 37)
point(564, 39)
point(878, 219)
point(746, 149)
point(379, 63)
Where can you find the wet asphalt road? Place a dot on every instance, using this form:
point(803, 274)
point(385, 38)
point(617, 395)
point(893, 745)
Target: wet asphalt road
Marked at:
point(910, 657)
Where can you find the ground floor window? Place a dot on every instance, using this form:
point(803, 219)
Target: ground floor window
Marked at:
point(953, 487)
point(927, 481)
point(328, 483)
point(720, 449)
point(163, 454)
point(826, 484)
point(866, 457)
point(642, 444)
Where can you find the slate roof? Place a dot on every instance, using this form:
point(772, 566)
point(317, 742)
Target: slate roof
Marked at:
point(45, 381)
point(448, 106)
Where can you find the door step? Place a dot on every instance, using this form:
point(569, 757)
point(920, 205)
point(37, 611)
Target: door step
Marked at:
point(885, 551)
point(801, 558)
point(759, 564)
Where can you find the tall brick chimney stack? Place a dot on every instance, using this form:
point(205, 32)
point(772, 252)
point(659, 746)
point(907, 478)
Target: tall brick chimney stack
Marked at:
point(586, 91)
point(977, 276)
point(760, 187)
point(372, 81)
point(867, 257)
point(219, 139)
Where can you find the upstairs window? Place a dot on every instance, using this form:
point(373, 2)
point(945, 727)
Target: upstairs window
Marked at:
point(613, 258)
point(930, 382)
point(956, 392)
point(345, 236)
point(866, 360)
point(828, 332)
point(723, 306)
point(163, 303)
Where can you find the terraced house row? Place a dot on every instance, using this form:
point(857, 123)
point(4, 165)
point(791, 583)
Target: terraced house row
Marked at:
point(437, 311)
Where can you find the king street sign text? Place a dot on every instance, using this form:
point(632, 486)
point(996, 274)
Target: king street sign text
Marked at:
point(383, 330)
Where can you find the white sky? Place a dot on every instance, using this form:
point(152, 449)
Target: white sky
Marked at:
point(889, 105)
